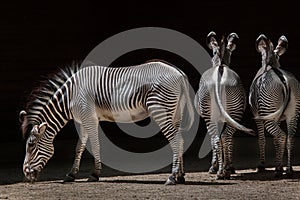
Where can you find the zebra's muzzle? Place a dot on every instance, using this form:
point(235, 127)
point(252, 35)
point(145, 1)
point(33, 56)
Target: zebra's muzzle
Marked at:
point(31, 175)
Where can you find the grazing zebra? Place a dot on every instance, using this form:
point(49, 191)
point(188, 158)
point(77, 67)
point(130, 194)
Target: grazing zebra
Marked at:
point(220, 100)
point(275, 97)
point(94, 93)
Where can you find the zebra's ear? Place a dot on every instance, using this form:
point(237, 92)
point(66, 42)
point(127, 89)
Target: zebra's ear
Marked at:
point(282, 46)
point(262, 44)
point(232, 41)
point(22, 116)
point(42, 128)
point(211, 40)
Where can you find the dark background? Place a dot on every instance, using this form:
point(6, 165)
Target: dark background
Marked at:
point(38, 37)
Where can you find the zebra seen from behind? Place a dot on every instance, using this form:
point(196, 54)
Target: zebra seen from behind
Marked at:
point(275, 97)
point(221, 101)
point(95, 93)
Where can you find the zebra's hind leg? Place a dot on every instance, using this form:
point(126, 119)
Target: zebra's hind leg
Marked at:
point(290, 147)
point(221, 172)
point(177, 166)
point(220, 145)
point(214, 138)
point(170, 129)
point(227, 144)
point(180, 176)
point(279, 142)
point(292, 126)
point(261, 144)
point(226, 170)
point(214, 160)
point(81, 143)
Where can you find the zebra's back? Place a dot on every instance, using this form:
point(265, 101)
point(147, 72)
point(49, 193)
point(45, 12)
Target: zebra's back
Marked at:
point(120, 93)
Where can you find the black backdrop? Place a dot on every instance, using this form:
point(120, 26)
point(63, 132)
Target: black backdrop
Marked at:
point(37, 37)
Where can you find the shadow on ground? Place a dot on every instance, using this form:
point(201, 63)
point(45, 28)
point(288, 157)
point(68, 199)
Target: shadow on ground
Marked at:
point(245, 157)
point(268, 175)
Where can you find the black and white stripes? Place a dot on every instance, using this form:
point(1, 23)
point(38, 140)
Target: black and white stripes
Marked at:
point(220, 100)
point(275, 97)
point(94, 93)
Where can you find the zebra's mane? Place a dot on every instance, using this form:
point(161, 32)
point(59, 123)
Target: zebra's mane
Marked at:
point(46, 88)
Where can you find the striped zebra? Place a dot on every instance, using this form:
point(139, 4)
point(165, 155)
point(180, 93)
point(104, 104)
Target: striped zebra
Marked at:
point(220, 100)
point(94, 93)
point(275, 97)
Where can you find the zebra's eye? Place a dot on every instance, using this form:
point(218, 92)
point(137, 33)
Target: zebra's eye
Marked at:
point(31, 142)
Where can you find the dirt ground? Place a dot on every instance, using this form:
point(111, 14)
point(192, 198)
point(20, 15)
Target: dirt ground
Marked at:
point(245, 184)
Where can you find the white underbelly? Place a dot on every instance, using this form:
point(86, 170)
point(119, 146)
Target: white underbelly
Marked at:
point(123, 116)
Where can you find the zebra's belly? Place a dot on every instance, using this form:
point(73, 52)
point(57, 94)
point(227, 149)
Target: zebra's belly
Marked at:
point(123, 116)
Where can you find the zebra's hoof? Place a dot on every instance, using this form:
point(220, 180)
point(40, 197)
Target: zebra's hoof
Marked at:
point(278, 173)
point(180, 180)
point(212, 170)
point(232, 170)
point(289, 172)
point(220, 176)
point(93, 178)
point(227, 174)
point(261, 168)
point(171, 181)
point(69, 178)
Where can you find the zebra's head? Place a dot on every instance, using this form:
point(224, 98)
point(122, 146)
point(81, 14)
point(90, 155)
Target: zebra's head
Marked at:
point(38, 149)
point(270, 56)
point(222, 52)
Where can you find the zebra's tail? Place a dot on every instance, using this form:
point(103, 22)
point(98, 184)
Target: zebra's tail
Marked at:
point(286, 93)
point(227, 117)
point(185, 99)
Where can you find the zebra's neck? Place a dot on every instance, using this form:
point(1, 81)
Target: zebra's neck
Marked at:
point(55, 112)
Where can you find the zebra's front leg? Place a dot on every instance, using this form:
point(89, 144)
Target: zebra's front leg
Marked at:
point(95, 150)
point(80, 147)
point(89, 130)
point(94, 177)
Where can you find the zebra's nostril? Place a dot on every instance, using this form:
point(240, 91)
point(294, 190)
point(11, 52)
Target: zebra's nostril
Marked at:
point(31, 174)
point(28, 170)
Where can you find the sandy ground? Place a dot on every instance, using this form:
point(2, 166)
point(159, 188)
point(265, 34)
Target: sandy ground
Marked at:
point(245, 184)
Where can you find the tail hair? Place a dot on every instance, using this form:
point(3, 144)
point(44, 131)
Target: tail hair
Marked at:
point(227, 117)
